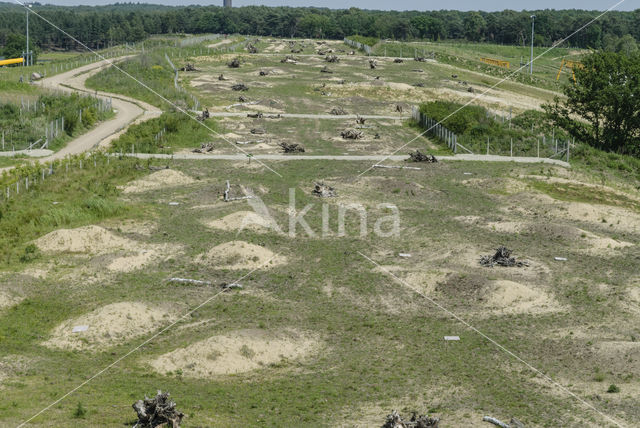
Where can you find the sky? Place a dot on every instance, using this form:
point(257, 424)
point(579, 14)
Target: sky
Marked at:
point(486, 5)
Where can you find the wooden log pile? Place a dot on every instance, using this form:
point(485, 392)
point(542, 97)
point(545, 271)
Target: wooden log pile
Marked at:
point(373, 64)
point(332, 58)
point(502, 257)
point(291, 148)
point(360, 120)
point(258, 131)
point(204, 148)
point(251, 48)
point(204, 115)
point(352, 134)
point(394, 420)
point(159, 411)
point(255, 115)
point(289, 60)
point(398, 61)
point(324, 191)
point(338, 111)
point(188, 67)
point(235, 63)
point(418, 156)
point(240, 87)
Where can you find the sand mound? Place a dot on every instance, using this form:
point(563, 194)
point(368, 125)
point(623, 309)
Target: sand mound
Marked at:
point(157, 180)
point(87, 239)
point(512, 297)
point(7, 300)
point(107, 326)
point(237, 352)
point(241, 220)
point(601, 245)
point(240, 255)
point(496, 226)
point(95, 240)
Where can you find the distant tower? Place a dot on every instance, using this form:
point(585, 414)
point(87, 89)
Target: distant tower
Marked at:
point(227, 3)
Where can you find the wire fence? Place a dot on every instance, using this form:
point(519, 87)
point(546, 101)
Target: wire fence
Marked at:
point(53, 129)
point(21, 180)
point(366, 48)
point(542, 146)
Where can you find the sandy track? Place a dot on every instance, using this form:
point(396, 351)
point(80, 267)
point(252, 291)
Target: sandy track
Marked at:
point(128, 109)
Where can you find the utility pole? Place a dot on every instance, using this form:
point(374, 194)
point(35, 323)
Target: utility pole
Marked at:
point(533, 23)
point(27, 60)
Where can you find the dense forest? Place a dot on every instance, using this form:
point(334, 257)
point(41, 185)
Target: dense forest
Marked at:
point(102, 26)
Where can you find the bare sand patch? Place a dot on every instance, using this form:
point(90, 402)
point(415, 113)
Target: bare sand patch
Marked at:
point(237, 352)
point(616, 218)
point(600, 245)
point(496, 226)
point(157, 180)
point(142, 257)
point(8, 299)
point(107, 326)
point(220, 43)
point(95, 240)
point(86, 239)
point(241, 220)
point(512, 297)
point(240, 255)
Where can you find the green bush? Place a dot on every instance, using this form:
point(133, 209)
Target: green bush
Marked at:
point(89, 117)
point(80, 412)
point(613, 389)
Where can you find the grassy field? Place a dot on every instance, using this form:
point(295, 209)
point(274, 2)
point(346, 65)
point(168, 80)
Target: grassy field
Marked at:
point(318, 335)
point(375, 344)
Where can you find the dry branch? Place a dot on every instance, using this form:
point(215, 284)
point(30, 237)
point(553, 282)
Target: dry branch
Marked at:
point(157, 412)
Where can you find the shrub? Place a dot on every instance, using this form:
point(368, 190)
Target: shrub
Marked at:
point(80, 411)
point(613, 389)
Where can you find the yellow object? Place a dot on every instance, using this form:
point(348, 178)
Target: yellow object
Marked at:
point(11, 61)
point(569, 64)
point(498, 62)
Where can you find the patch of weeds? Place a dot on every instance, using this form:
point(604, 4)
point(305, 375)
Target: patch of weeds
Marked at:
point(613, 389)
point(247, 352)
point(80, 412)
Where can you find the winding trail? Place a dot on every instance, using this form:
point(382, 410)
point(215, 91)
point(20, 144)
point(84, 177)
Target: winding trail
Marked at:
point(128, 110)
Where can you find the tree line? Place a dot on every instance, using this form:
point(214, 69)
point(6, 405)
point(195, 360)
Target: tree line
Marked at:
point(103, 26)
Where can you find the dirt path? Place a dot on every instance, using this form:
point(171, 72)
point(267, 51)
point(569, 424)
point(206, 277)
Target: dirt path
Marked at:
point(283, 157)
point(127, 109)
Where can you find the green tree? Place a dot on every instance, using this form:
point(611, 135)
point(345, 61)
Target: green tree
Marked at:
point(16, 45)
point(474, 26)
point(627, 45)
point(606, 97)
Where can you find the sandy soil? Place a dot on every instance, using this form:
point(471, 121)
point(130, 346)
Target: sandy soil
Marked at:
point(236, 352)
point(108, 326)
point(95, 240)
point(157, 180)
point(240, 255)
point(87, 239)
point(241, 220)
point(512, 297)
point(7, 299)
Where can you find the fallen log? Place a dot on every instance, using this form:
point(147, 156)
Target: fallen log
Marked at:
point(240, 87)
point(502, 257)
point(495, 422)
point(352, 134)
point(291, 148)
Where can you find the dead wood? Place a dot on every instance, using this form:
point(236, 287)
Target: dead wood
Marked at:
point(352, 134)
point(471, 89)
point(421, 59)
point(204, 148)
point(204, 115)
point(289, 60)
point(240, 87)
point(360, 120)
point(502, 257)
point(235, 63)
point(399, 108)
point(325, 69)
point(157, 412)
point(394, 420)
point(242, 99)
point(222, 78)
point(324, 191)
point(188, 67)
point(291, 148)
point(373, 64)
point(252, 49)
point(258, 131)
point(398, 61)
point(418, 156)
point(332, 58)
point(419, 85)
point(338, 111)
point(264, 73)
point(255, 115)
